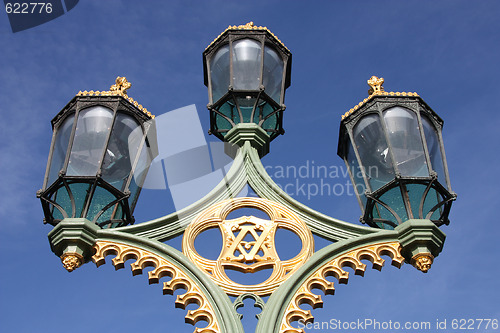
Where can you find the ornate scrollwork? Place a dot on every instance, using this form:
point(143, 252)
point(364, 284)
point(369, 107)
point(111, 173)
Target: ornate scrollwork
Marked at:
point(248, 256)
point(163, 267)
point(334, 268)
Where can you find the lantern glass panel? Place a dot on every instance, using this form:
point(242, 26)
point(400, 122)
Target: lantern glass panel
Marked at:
point(433, 146)
point(373, 151)
point(415, 193)
point(92, 129)
point(122, 149)
point(246, 64)
point(100, 200)
point(139, 174)
point(356, 174)
point(246, 105)
point(393, 199)
point(219, 73)
point(63, 135)
point(406, 142)
point(273, 73)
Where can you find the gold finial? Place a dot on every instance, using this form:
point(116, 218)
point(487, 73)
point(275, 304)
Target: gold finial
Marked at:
point(72, 260)
point(422, 261)
point(375, 84)
point(121, 85)
point(249, 25)
point(118, 89)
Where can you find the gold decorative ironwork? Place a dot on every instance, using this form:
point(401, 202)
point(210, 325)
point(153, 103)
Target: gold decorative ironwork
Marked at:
point(118, 89)
point(422, 261)
point(375, 84)
point(121, 85)
point(72, 260)
point(376, 89)
point(162, 267)
point(244, 255)
point(335, 268)
point(248, 26)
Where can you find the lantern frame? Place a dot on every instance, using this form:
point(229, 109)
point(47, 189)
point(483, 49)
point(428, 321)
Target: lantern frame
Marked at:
point(259, 95)
point(123, 204)
point(379, 102)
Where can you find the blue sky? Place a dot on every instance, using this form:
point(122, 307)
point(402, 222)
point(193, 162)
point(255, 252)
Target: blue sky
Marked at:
point(447, 51)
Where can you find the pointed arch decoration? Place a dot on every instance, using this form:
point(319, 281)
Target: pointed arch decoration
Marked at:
point(283, 308)
point(219, 316)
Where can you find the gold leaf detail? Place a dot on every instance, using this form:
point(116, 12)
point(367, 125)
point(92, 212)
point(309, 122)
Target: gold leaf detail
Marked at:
point(118, 89)
point(162, 267)
point(72, 260)
point(335, 268)
point(248, 244)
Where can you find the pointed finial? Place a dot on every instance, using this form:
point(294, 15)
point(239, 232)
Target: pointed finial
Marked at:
point(121, 85)
point(375, 84)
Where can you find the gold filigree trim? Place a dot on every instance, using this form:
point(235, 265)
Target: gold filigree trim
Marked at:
point(422, 261)
point(248, 244)
point(162, 267)
point(335, 268)
point(72, 260)
point(248, 26)
point(376, 89)
point(118, 89)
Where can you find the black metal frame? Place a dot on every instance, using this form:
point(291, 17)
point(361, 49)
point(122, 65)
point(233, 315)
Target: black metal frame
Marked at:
point(261, 98)
point(116, 104)
point(377, 105)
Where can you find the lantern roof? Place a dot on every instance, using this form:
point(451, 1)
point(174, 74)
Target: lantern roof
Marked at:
point(248, 26)
point(118, 89)
point(376, 89)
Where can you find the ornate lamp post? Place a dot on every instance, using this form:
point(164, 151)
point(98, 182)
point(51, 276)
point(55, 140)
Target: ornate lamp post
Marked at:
point(103, 142)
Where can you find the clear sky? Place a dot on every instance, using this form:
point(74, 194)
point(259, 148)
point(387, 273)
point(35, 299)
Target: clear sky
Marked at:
point(447, 51)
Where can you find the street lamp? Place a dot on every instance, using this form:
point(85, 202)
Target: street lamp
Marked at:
point(103, 143)
point(246, 70)
point(393, 148)
point(102, 146)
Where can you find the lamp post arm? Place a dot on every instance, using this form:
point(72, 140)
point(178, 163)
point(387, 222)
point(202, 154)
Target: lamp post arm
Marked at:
point(320, 224)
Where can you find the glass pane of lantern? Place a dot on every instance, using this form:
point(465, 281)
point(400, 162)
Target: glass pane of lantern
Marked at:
point(101, 199)
point(373, 151)
point(122, 149)
point(406, 142)
point(382, 213)
point(60, 147)
point(357, 175)
point(219, 73)
point(80, 193)
point(246, 105)
point(273, 73)
point(393, 199)
point(61, 197)
point(246, 64)
point(433, 147)
point(144, 160)
point(415, 193)
point(92, 130)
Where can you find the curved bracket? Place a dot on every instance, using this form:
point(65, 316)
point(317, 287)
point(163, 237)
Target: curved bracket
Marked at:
point(214, 306)
point(246, 169)
point(283, 307)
